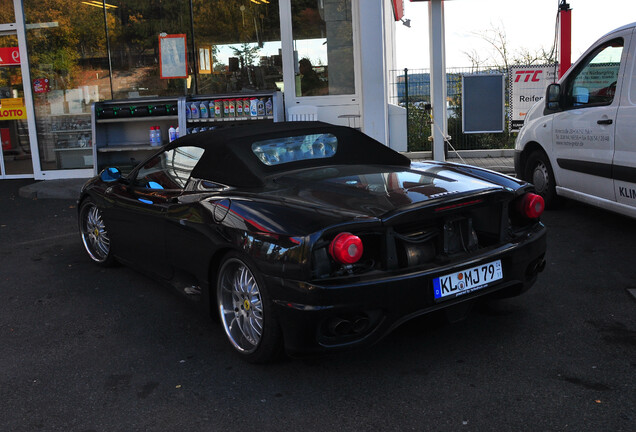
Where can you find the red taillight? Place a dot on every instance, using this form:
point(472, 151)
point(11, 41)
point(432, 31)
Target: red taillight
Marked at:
point(531, 205)
point(346, 248)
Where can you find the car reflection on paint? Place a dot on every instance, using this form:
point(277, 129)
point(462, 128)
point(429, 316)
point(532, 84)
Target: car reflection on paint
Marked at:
point(306, 237)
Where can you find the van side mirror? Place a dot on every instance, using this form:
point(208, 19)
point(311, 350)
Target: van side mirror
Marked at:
point(110, 174)
point(553, 97)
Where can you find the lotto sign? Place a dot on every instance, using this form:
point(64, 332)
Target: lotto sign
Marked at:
point(9, 56)
point(12, 109)
point(527, 87)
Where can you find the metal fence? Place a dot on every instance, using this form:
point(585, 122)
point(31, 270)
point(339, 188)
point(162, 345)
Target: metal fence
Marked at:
point(412, 89)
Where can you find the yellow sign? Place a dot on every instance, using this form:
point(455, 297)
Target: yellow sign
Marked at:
point(12, 109)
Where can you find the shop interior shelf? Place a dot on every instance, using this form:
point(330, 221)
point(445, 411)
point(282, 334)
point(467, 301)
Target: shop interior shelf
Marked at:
point(129, 147)
point(137, 119)
point(74, 114)
point(223, 119)
point(70, 131)
point(89, 148)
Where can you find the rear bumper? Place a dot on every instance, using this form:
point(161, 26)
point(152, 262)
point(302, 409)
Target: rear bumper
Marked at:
point(330, 317)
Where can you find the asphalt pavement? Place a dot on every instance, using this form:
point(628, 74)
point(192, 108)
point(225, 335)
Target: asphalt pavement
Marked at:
point(92, 349)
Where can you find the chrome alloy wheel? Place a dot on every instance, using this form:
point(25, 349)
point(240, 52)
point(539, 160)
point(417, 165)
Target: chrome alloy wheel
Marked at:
point(241, 305)
point(94, 234)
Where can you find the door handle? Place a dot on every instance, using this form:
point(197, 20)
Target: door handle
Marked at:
point(605, 122)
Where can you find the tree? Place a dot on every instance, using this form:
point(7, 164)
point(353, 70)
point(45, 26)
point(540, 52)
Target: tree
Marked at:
point(502, 56)
point(247, 53)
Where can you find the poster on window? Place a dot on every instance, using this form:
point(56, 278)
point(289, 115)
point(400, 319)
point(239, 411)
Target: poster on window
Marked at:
point(12, 109)
point(527, 87)
point(173, 61)
point(9, 56)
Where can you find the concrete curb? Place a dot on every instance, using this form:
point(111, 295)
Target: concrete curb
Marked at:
point(53, 189)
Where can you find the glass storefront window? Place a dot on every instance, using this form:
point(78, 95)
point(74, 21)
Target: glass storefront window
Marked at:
point(133, 32)
point(7, 15)
point(323, 47)
point(15, 149)
point(238, 45)
point(69, 70)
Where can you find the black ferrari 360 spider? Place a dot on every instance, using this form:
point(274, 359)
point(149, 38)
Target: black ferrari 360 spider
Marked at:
point(306, 236)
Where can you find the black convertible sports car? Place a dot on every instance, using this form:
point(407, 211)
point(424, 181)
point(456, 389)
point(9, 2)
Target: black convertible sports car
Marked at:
point(308, 236)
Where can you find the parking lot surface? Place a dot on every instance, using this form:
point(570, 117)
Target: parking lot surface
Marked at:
point(91, 349)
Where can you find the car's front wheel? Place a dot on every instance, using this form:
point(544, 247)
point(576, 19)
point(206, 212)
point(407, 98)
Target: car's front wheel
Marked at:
point(94, 234)
point(538, 171)
point(246, 310)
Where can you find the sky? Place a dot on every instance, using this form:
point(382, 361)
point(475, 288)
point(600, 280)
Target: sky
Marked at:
point(527, 24)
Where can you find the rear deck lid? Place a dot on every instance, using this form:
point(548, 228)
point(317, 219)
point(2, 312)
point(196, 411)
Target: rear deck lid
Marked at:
point(380, 191)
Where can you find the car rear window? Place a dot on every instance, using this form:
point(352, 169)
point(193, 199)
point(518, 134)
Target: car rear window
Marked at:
point(295, 148)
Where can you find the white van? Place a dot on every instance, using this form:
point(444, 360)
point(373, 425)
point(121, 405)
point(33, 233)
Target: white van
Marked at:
point(580, 141)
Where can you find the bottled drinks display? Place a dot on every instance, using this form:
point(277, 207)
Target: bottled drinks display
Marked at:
point(226, 109)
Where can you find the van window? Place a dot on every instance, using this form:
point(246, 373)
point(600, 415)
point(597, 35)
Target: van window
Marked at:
point(632, 78)
point(594, 83)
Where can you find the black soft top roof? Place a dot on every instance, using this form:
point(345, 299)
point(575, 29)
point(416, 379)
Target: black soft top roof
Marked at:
point(229, 159)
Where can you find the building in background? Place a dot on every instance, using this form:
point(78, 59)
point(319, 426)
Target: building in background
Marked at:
point(57, 57)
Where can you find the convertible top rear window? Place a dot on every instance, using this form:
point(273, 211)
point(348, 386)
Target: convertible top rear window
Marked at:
point(295, 148)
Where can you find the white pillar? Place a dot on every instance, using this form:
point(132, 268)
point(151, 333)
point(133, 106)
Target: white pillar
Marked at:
point(27, 88)
point(375, 101)
point(438, 76)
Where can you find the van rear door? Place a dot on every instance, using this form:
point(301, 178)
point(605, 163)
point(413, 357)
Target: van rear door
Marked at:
point(583, 133)
point(624, 171)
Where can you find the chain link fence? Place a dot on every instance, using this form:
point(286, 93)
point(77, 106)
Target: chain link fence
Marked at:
point(412, 90)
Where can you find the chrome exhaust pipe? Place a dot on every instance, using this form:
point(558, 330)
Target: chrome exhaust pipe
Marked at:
point(340, 327)
point(360, 325)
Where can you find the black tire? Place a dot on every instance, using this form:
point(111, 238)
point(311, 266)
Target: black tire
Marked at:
point(538, 171)
point(246, 310)
point(95, 234)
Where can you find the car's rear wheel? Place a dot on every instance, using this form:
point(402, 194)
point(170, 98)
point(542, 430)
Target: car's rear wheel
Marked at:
point(539, 172)
point(94, 234)
point(246, 310)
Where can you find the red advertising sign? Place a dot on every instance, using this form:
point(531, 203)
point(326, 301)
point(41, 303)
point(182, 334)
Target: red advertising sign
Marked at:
point(41, 85)
point(5, 137)
point(9, 56)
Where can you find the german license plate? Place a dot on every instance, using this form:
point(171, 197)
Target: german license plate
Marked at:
point(466, 281)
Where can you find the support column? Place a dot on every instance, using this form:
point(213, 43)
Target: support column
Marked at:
point(373, 55)
point(565, 37)
point(27, 88)
point(438, 77)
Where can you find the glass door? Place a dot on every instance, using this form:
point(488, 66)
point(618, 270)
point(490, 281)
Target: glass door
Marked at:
point(323, 47)
point(320, 53)
point(15, 151)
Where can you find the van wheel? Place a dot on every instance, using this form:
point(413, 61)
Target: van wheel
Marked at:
point(538, 171)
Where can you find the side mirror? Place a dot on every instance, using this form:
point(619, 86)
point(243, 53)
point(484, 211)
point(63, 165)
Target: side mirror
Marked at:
point(110, 174)
point(552, 97)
